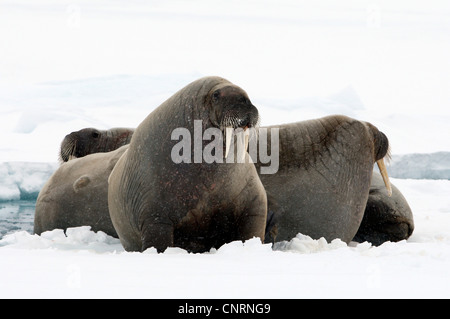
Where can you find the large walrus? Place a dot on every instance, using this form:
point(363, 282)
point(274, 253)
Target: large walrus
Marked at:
point(156, 201)
point(386, 218)
point(76, 195)
point(90, 140)
point(325, 170)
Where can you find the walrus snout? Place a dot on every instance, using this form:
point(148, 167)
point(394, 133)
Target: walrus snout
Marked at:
point(68, 148)
point(250, 120)
point(245, 124)
point(237, 117)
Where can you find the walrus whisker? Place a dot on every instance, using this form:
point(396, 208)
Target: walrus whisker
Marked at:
point(258, 122)
point(73, 150)
point(67, 152)
point(231, 119)
point(388, 156)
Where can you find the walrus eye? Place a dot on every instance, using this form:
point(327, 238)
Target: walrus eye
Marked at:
point(216, 95)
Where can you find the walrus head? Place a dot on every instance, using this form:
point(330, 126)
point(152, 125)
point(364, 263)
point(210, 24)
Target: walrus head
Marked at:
point(90, 140)
point(231, 109)
point(78, 144)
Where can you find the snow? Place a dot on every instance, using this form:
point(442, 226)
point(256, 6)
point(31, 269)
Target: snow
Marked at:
point(85, 264)
point(23, 180)
point(65, 65)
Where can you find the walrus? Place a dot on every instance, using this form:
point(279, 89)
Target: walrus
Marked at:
point(324, 176)
point(91, 140)
point(386, 218)
point(155, 201)
point(76, 195)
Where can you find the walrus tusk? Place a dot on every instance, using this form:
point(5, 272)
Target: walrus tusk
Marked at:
point(228, 136)
point(246, 136)
point(385, 176)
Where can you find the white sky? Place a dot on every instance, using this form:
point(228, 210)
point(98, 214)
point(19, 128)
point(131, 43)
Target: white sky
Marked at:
point(393, 54)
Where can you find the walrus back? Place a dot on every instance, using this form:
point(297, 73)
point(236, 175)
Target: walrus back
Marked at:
point(76, 195)
point(324, 175)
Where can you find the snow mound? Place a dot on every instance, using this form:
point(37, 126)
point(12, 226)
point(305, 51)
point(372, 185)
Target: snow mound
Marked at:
point(77, 238)
point(251, 246)
point(306, 245)
point(83, 238)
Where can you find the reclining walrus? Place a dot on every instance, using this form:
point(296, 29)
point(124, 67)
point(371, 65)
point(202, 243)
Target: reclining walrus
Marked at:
point(324, 176)
point(76, 195)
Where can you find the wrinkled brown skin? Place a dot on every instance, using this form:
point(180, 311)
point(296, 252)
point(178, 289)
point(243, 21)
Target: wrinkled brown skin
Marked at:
point(155, 202)
point(76, 195)
point(91, 140)
point(385, 218)
point(325, 170)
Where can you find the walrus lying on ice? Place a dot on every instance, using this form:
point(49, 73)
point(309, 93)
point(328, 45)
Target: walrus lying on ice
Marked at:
point(322, 185)
point(76, 195)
